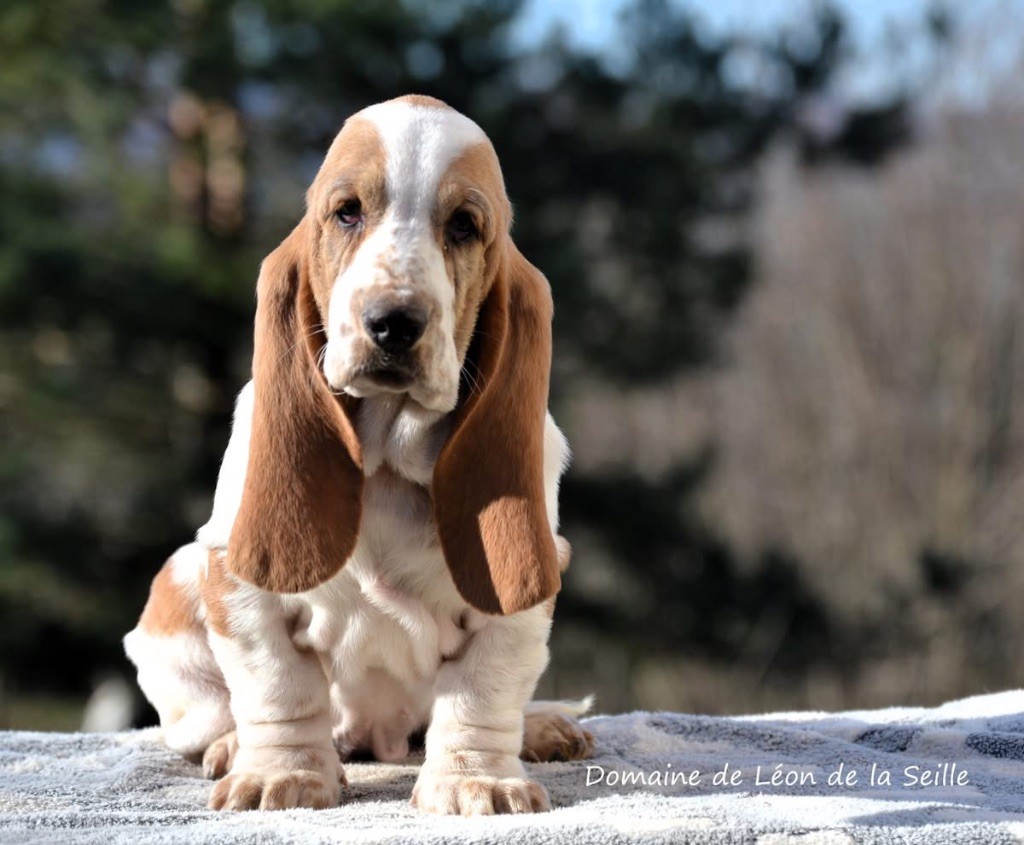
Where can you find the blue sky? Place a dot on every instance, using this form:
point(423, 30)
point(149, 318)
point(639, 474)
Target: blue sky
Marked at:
point(999, 24)
point(591, 22)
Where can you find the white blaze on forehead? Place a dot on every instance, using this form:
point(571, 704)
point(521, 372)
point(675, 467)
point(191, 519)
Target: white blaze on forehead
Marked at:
point(420, 143)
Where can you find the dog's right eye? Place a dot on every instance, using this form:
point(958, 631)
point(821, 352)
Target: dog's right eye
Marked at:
point(350, 214)
point(461, 227)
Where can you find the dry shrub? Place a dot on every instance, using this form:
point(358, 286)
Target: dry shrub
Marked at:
point(871, 420)
point(867, 421)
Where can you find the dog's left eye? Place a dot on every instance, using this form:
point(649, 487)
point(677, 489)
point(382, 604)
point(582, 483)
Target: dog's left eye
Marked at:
point(460, 227)
point(350, 214)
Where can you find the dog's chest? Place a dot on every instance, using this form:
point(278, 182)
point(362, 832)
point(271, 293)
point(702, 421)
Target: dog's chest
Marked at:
point(386, 622)
point(405, 442)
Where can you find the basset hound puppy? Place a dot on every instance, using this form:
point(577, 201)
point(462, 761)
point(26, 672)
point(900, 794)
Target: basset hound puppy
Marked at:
point(382, 557)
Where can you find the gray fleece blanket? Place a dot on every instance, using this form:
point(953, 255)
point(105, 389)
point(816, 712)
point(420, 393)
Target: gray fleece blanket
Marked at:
point(950, 774)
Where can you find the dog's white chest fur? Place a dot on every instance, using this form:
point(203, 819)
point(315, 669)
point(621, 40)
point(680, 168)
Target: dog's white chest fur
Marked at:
point(387, 620)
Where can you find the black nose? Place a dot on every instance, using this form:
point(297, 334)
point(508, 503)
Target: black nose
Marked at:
point(394, 330)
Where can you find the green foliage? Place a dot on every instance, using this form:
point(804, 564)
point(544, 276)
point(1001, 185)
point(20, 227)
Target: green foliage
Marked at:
point(151, 152)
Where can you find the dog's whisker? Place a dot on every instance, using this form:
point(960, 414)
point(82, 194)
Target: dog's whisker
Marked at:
point(301, 339)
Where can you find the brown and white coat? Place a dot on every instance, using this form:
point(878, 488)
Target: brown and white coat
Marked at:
point(383, 554)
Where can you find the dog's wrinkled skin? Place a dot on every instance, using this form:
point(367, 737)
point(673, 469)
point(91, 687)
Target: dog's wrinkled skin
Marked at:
point(382, 555)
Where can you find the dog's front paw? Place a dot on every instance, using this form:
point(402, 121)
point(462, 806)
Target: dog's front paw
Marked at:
point(299, 778)
point(468, 795)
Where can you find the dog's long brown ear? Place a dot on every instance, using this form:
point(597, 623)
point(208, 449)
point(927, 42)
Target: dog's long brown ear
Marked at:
point(488, 484)
point(299, 516)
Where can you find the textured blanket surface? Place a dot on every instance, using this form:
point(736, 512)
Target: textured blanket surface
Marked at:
point(950, 774)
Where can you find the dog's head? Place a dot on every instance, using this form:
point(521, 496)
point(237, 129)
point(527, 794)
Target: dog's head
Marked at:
point(402, 278)
point(405, 219)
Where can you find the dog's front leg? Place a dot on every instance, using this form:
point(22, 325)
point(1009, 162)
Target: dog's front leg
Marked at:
point(472, 764)
point(280, 702)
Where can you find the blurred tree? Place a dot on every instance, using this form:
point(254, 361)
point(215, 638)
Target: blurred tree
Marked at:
point(151, 152)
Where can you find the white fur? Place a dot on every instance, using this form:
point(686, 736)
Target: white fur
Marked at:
point(215, 534)
point(399, 434)
point(421, 142)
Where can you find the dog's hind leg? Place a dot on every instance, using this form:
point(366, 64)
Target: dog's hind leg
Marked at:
point(552, 732)
point(177, 670)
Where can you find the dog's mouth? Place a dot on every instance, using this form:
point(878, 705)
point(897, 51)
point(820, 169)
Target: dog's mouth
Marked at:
point(389, 377)
point(381, 378)
point(376, 373)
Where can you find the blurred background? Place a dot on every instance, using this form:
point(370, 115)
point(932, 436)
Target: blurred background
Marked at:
point(785, 243)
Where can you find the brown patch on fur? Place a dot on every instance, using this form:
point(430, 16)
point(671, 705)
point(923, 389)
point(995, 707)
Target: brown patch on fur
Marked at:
point(215, 587)
point(301, 506)
point(353, 169)
point(473, 183)
point(488, 483)
point(549, 737)
point(170, 608)
point(300, 509)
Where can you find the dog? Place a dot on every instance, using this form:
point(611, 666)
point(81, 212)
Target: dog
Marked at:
point(382, 557)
